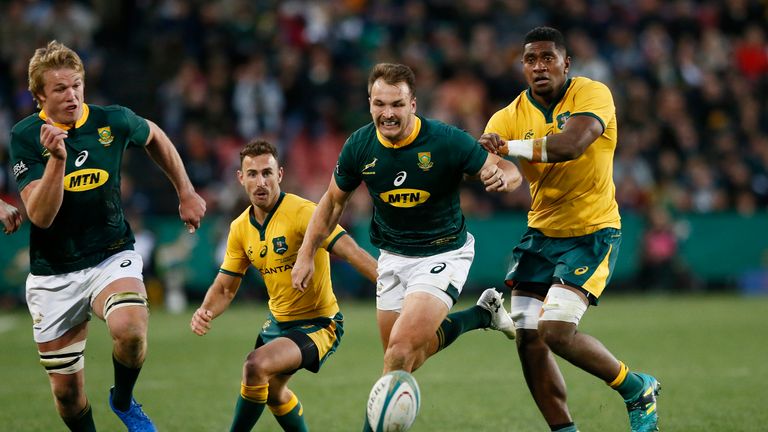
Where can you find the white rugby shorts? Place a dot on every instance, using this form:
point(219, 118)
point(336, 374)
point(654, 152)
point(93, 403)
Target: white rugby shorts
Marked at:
point(442, 275)
point(58, 303)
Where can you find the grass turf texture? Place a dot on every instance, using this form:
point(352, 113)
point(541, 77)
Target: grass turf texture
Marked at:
point(708, 352)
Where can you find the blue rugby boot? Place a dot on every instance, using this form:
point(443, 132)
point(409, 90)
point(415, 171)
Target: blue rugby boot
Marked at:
point(134, 418)
point(643, 416)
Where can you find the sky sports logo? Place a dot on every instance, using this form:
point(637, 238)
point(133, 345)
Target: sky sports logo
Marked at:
point(19, 169)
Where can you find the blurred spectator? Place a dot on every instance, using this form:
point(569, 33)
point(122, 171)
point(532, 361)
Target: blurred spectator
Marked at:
point(689, 78)
point(660, 265)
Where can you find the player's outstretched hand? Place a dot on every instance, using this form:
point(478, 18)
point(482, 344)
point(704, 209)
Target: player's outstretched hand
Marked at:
point(492, 143)
point(201, 321)
point(191, 210)
point(10, 217)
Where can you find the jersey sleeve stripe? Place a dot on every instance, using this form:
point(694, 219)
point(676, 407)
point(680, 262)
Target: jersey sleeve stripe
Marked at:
point(589, 114)
point(231, 273)
point(335, 239)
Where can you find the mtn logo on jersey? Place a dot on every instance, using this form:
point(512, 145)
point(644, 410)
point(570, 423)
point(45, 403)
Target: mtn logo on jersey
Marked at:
point(404, 197)
point(85, 179)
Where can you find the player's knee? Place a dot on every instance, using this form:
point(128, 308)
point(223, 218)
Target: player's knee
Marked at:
point(256, 367)
point(400, 354)
point(66, 361)
point(557, 335)
point(129, 338)
point(560, 314)
point(67, 396)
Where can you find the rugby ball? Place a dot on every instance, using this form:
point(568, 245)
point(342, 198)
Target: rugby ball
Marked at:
point(394, 402)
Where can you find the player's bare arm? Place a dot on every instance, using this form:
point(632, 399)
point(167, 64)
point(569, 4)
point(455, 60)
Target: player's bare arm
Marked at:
point(163, 152)
point(326, 216)
point(347, 249)
point(10, 217)
point(217, 300)
point(499, 175)
point(579, 133)
point(43, 197)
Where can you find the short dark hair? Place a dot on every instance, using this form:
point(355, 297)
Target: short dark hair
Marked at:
point(257, 147)
point(392, 73)
point(546, 34)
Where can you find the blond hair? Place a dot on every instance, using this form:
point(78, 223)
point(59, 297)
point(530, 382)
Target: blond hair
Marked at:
point(54, 56)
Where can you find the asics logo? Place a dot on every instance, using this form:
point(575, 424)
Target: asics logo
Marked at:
point(81, 157)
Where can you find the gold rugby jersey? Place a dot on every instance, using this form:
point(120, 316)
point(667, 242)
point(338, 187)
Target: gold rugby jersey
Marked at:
point(576, 197)
point(271, 248)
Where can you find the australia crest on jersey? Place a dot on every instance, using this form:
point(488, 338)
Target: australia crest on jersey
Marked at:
point(279, 245)
point(105, 136)
point(425, 160)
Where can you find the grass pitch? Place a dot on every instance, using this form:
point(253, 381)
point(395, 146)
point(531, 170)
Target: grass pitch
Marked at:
point(710, 354)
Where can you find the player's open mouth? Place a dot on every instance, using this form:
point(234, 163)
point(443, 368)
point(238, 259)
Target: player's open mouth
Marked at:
point(389, 123)
point(71, 108)
point(541, 80)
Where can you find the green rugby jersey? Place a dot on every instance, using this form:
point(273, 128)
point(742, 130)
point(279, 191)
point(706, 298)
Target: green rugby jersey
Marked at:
point(90, 225)
point(414, 185)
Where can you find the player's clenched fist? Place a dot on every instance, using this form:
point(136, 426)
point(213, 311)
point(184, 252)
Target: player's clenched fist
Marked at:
point(52, 138)
point(201, 321)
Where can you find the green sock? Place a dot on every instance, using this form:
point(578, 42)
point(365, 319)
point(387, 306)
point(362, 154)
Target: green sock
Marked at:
point(125, 379)
point(631, 387)
point(568, 427)
point(83, 422)
point(293, 420)
point(457, 323)
point(247, 413)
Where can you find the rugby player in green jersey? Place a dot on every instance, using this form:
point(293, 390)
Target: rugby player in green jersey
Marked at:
point(10, 217)
point(563, 130)
point(303, 328)
point(66, 159)
point(412, 167)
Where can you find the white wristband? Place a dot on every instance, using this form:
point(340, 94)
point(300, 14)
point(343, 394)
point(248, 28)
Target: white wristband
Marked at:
point(535, 150)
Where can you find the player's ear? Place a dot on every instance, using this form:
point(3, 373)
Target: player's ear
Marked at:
point(240, 176)
point(567, 62)
point(279, 175)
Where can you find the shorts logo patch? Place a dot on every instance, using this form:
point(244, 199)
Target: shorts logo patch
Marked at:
point(581, 270)
point(279, 245)
point(125, 263)
point(438, 268)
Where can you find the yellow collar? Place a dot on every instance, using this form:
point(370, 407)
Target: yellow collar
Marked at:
point(405, 141)
point(83, 118)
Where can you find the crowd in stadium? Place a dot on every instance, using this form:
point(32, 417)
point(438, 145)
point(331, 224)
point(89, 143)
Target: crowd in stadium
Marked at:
point(690, 79)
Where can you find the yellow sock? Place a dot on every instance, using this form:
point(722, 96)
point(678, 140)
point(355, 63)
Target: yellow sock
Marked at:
point(256, 394)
